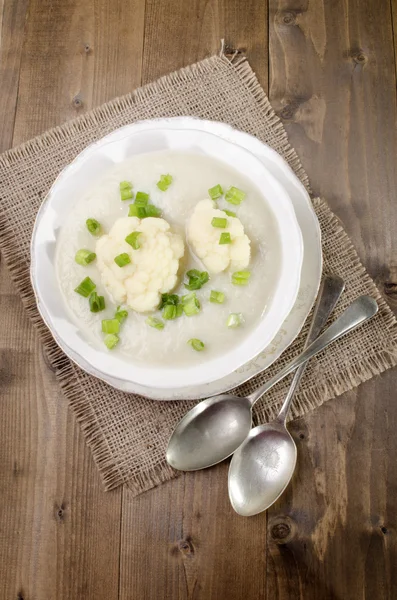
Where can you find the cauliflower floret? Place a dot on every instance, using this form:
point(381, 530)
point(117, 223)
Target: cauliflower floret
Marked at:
point(153, 267)
point(204, 239)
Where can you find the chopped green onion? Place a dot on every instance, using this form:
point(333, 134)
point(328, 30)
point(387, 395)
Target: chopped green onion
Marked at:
point(217, 297)
point(132, 239)
point(196, 344)
point(156, 323)
point(234, 320)
point(164, 183)
point(141, 199)
point(84, 257)
point(234, 195)
point(230, 213)
point(167, 299)
point(215, 192)
point(241, 277)
point(121, 315)
point(196, 279)
point(126, 190)
point(126, 194)
point(225, 238)
point(97, 303)
point(144, 211)
point(111, 340)
point(152, 211)
point(125, 185)
point(94, 227)
point(122, 259)
point(85, 287)
point(169, 312)
point(110, 326)
point(219, 222)
point(191, 304)
point(179, 311)
point(137, 211)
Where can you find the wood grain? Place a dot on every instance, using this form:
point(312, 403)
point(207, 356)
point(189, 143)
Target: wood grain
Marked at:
point(84, 53)
point(188, 537)
point(332, 81)
point(178, 33)
point(12, 21)
point(60, 534)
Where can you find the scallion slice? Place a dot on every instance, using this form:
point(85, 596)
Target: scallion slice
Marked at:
point(165, 182)
point(196, 344)
point(215, 192)
point(144, 211)
point(166, 299)
point(132, 239)
point(230, 213)
point(97, 303)
point(126, 190)
point(179, 310)
point(85, 287)
point(217, 297)
point(225, 238)
point(234, 195)
point(84, 257)
point(137, 211)
point(122, 259)
point(121, 315)
point(152, 211)
point(169, 312)
point(125, 185)
point(196, 279)
point(219, 222)
point(141, 199)
point(241, 277)
point(110, 326)
point(94, 227)
point(191, 304)
point(156, 323)
point(234, 320)
point(111, 340)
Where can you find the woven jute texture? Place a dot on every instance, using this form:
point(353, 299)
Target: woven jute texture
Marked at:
point(128, 434)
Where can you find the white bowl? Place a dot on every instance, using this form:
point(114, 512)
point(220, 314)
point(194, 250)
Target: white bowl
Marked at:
point(81, 174)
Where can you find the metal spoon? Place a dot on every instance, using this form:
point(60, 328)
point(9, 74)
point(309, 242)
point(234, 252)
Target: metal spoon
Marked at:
point(215, 428)
point(262, 466)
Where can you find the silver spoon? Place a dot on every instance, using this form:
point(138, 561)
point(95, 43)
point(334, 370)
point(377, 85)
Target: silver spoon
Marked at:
point(262, 466)
point(215, 428)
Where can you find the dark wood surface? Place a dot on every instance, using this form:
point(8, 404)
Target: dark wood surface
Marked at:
point(329, 69)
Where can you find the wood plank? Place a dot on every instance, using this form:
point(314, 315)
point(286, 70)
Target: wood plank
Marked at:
point(12, 22)
point(84, 53)
point(394, 25)
point(332, 80)
point(179, 33)
point(60, 533)
point(183, 540)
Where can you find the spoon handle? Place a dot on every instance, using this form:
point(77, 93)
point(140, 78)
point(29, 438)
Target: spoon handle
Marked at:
point(330, 292)
point(357, 313)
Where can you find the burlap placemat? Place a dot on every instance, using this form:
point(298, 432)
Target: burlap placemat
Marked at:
point(128, 434)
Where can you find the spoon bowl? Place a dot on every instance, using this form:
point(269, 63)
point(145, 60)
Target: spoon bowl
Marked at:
point(255, 484)
point(214, 428)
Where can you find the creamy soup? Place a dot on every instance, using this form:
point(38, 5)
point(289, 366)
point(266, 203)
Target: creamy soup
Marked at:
point(192, 176)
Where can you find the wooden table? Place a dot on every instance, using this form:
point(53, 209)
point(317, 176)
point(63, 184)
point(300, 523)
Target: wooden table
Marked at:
point(329, 69)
